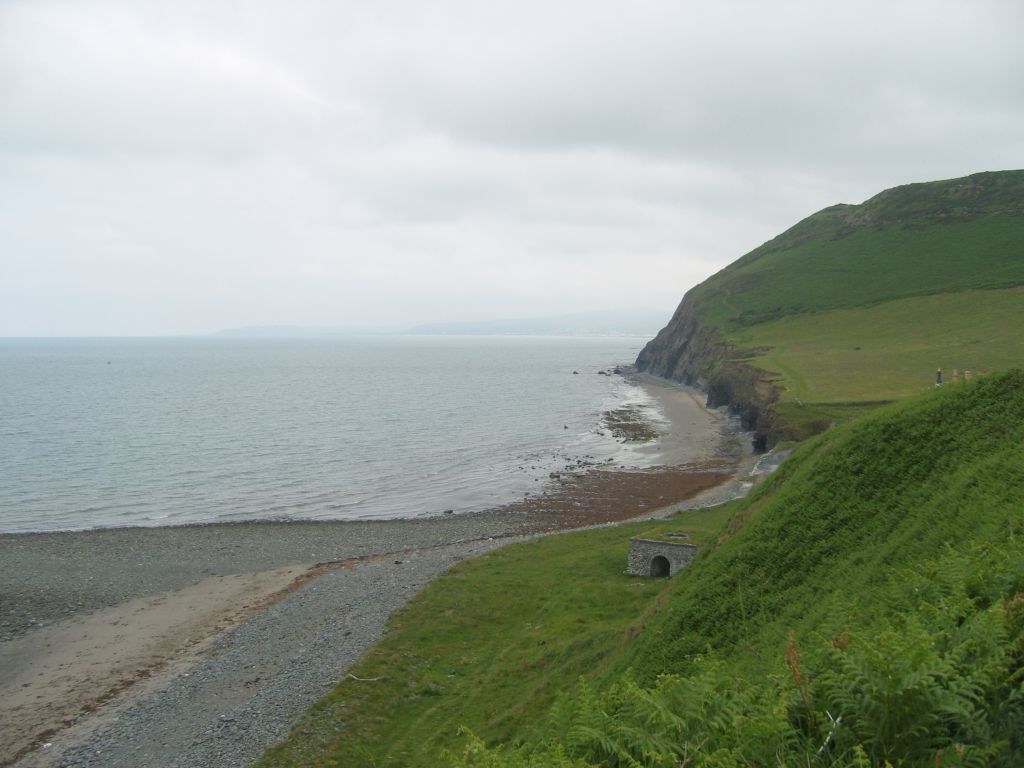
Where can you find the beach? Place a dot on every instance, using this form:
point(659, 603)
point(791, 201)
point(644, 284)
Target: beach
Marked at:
point(200, 645)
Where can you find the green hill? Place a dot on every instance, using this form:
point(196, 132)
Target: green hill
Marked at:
point(919, 239)
point(810, 320)
point(819, 544)
point(864, 607)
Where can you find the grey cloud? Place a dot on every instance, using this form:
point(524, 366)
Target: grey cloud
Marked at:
point(93, 83)
point(755, 81)
point(182, 167)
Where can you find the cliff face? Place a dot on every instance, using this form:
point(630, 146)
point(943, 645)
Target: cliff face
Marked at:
point(683, 350)
point(917, 240)
point(689, 352)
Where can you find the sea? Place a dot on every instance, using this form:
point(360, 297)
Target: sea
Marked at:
point(98, 433)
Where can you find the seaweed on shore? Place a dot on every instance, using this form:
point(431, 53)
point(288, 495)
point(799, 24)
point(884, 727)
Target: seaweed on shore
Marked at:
point(629, 424)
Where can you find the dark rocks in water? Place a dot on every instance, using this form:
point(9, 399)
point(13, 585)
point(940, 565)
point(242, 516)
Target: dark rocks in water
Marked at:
point(565, 426)
point(449, 511)
point(575, 373)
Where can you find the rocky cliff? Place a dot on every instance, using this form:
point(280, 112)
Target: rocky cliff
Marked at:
point(689, 352)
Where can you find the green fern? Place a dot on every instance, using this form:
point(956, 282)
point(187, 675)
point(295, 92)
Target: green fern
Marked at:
point(938, 684)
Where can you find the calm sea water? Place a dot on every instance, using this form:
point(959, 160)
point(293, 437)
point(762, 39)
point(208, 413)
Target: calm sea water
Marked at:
point(113, 432)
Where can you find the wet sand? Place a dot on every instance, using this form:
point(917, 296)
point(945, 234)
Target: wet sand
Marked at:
point(86, 617)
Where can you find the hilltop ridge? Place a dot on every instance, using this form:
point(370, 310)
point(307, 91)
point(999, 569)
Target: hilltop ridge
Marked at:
point(913, 241)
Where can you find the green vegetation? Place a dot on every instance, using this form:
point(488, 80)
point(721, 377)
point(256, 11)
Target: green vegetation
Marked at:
point(487, 646)
point(915, 240)
point(811, 548)
point(860, 304)
point(864, 607)
point(938, 686)
point(891, 350)
point(877, 578)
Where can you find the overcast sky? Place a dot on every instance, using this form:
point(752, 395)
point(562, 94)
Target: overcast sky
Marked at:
point(180, 167)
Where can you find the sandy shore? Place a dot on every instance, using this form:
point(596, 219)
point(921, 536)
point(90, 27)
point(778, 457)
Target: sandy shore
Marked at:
point(102, 632)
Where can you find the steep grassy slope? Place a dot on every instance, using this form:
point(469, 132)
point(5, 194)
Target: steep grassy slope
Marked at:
point(812, 548)
point(877, 582)
point(732, 334)
point(878, 576)
point(960, 236)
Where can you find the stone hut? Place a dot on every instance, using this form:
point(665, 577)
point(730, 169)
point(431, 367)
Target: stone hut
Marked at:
point(650, 557)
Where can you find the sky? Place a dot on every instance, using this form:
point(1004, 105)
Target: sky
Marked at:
point(182, 167)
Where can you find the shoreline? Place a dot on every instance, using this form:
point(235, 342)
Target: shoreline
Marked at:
point(174, 592)
point(662, 449)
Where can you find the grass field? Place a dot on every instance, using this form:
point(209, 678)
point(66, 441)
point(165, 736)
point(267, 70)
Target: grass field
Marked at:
point(892, 350)
point(487, 646)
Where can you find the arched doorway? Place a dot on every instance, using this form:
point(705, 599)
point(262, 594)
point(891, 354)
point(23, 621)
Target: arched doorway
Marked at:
point(659, 566)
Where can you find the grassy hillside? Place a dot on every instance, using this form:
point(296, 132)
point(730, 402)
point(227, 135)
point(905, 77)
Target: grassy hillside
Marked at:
point(855, 306)
point(816, 547)
point(865, 607)
point(879, 577)
point(858, 305)
point(915, 240)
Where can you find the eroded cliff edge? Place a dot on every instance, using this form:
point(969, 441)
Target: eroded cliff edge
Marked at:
point(690, 352)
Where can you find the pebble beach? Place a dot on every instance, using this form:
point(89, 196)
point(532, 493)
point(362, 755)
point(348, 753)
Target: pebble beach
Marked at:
point(201, 645)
